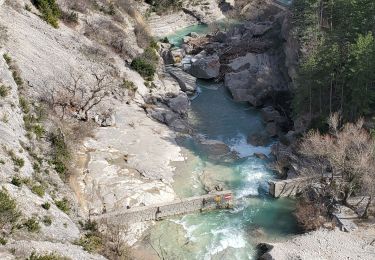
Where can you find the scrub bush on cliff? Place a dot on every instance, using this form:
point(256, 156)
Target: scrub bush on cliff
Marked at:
point(50, 11)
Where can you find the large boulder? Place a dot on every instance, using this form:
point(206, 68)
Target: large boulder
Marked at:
point(240, 85)
point(170, 118)
point(205, 67)
point(186, 81)
point(216, 150)
point(179, 104)
point(165, 53)
point(254, 77)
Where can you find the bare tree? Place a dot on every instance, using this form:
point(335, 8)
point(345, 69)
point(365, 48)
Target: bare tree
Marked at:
point(348, 152)
point(80, 93)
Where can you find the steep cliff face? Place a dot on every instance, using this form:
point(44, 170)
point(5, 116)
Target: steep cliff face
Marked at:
point(20, 175)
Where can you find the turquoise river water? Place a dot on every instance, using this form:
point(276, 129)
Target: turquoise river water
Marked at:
point(223, 234)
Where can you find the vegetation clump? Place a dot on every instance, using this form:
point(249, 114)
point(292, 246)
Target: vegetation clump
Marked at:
point(17, 161)
point(38, 190)
point(32, 224)
point(47, 220)
point(144, 67)
point(63, 205)
point(50, 256)
point(347, 154)
point(165, 6)
point(8, 209)
point(91, 242)
point(146, 64)
point(4, 91)
point(46, 206)
point(17, 181)
point(50, 11)
point(337, 66)
point(61, 153)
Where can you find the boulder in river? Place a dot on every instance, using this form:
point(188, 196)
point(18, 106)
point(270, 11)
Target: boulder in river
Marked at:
point(217, 150)
point(205, 67)
point(258, 139)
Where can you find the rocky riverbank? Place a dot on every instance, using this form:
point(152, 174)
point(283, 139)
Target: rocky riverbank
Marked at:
point(325, 244)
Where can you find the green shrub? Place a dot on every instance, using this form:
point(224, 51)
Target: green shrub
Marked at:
point(32, 224)
point(46, 205)
point(154, 44)
point(36, 167)
point(4, 91)
point(47, 220)
point(165, 6)
point(17, 161)
point(38, 190)
point(8, 209)
point(17, 181)
point(61, 153)
point(145, 68)
point(24, 105)
point(90, 225)
point(3, 241)
point(90, 242)
point(63, 205)
point(151, 55)
point(17, 77)
point(2, 161)
point(27, 7)
point(7, 58)
point(70, 18)
point(129, 85)
point(51, 256)
point(38, 130)
point(50, 11)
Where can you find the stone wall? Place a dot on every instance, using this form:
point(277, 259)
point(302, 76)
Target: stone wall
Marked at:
point(287, 188)
point(217, 200)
